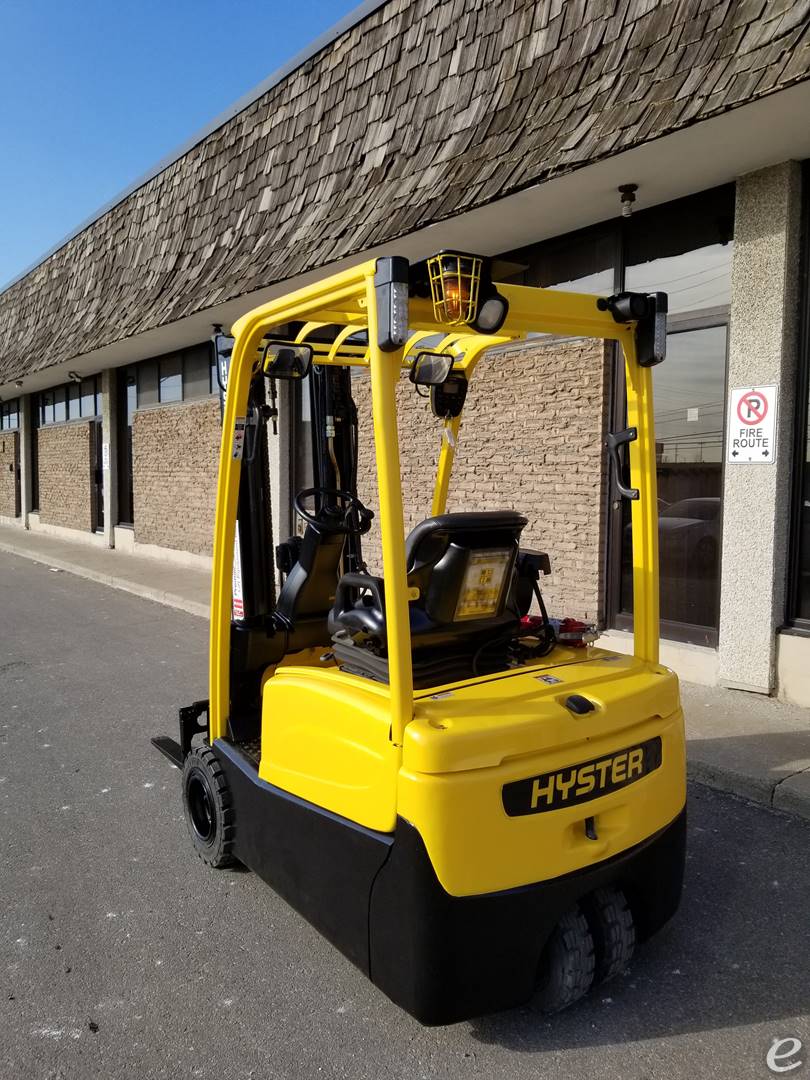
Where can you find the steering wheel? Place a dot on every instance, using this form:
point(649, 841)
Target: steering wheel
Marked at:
point(348, 516)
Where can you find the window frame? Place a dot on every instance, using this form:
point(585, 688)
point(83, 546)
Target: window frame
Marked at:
point(793, 622)
point(65, 390)
point(6, 413)
point(187, 381)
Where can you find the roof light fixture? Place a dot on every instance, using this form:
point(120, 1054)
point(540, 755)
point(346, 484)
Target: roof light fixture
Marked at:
point(455, 279)
point(461, 291)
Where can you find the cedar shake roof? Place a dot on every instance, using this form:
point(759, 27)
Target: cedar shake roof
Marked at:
point(421, 110)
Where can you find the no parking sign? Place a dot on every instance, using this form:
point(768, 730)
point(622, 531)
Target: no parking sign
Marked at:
point(752, 425)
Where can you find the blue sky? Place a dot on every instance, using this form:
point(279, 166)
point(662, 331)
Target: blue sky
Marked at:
point(95, 92)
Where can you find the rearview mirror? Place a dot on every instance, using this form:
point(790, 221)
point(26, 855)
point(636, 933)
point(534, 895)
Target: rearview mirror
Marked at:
point(282, 360)
point(431, 369)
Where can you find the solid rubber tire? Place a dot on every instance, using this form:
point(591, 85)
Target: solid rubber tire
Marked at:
point(613, 931)
point(206, 794)
point(567, 965)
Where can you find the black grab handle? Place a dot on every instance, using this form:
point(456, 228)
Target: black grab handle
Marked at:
point(616, 439)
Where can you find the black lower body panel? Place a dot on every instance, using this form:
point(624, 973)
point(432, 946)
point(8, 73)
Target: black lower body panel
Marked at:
point(448, 958)
point(376, 897)
point(323, 865)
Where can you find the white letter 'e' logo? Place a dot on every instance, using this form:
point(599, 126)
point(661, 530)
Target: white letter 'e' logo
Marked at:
point(779, 1052)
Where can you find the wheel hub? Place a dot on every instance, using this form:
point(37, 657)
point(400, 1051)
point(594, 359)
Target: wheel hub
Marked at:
point(201, 809)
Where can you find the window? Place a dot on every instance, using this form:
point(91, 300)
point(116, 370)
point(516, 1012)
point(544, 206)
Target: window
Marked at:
point(181, 376)
point(10, 415)
point(89, 405)
point(74, 401)
point(689, 395)
point(71, 401)
point(197, 372)
point(170, 379)
point(693, 281)
point(59, 405)
point(46, 407)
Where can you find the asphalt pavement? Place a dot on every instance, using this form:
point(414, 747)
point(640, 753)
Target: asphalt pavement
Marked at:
point(122, 955)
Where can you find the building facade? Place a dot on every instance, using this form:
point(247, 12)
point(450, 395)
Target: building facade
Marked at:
point(506, 127)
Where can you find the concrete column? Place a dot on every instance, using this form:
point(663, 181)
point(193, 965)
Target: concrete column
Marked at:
point(26, 464)
point(763, 339)
point(109, 438)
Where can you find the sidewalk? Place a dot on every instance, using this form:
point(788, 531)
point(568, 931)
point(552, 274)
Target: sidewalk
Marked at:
point(742, 743)
point(167, 583)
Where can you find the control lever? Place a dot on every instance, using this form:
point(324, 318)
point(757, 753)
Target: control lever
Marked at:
point(615, 439)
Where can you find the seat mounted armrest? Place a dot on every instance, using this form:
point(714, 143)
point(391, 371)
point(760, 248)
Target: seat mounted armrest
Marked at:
point(364, 582)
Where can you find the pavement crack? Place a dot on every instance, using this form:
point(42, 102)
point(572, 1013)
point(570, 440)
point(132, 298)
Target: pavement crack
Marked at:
point(11, 665)
point(787, 776)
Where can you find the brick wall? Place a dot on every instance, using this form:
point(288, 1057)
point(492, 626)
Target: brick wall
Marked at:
point(531, 441)
point(175, 450)
point(9, 473)
point(65, 461)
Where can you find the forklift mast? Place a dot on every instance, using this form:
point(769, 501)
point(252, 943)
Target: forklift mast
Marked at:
point(335, 444)
point(334, 464)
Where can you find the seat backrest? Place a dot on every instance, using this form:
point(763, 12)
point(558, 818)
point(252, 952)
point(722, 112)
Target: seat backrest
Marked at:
point(463, 564)
point(309, 589)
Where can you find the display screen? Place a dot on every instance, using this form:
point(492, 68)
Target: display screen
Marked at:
point(483, 583)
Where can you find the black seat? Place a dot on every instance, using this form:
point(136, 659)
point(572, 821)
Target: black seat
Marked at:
point(465, 615)
point(308, 591)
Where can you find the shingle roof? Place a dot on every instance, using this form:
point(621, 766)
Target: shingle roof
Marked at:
point(424, 109)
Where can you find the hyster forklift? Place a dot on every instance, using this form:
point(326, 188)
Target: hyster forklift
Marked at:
point(468, 798)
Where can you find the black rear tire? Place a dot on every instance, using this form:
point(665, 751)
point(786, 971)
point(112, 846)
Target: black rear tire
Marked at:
point(208, 808)
point(613, 931)
point(567, 964)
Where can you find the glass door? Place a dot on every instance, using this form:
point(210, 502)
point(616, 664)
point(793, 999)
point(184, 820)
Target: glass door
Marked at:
point(689, 395)
point(97, 493)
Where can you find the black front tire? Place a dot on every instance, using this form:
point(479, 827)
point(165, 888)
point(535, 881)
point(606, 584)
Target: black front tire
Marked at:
point(567, 964)
point(208, 808)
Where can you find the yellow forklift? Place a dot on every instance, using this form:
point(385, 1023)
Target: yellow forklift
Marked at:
point(466, 796)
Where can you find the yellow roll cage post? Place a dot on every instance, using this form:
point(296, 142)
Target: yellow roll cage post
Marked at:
point(349, 300)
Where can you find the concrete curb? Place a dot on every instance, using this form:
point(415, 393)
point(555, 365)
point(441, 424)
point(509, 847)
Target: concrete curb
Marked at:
point(793, 799)
point(135, 588)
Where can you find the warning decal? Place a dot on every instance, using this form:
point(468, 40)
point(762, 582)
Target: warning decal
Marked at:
point(752, 425)
point(238, 605)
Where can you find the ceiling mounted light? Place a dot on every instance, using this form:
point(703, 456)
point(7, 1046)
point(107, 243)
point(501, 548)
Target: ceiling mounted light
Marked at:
point(628, 194)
